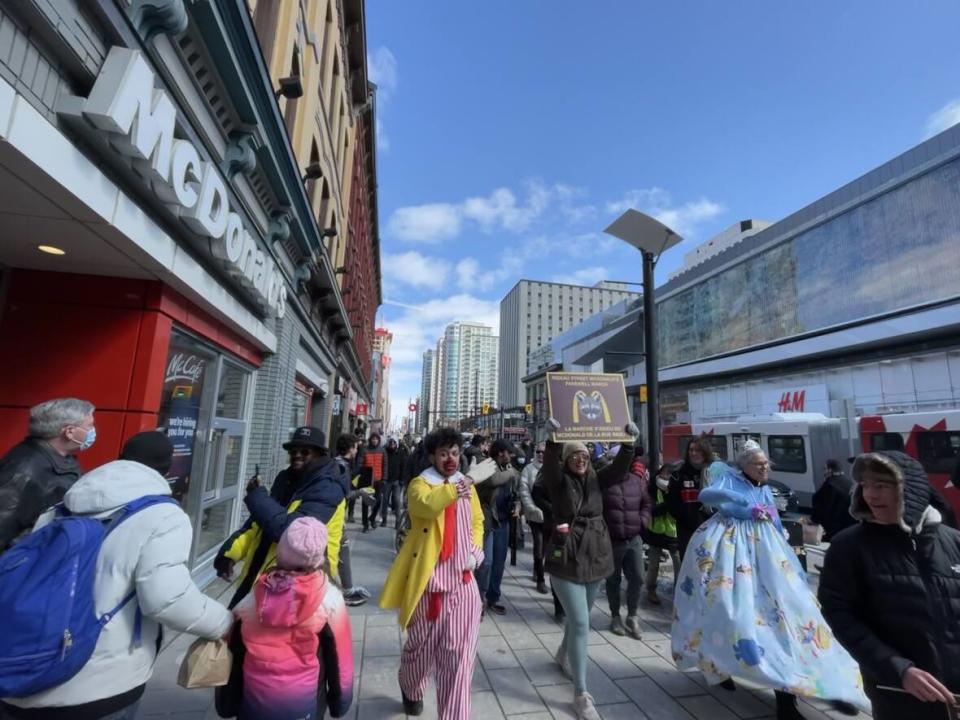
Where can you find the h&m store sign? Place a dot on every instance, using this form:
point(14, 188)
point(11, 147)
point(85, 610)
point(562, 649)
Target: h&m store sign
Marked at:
point(801, 398)
point(140, 122)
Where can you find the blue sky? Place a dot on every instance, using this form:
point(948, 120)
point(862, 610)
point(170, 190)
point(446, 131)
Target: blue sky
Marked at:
point(511, 133)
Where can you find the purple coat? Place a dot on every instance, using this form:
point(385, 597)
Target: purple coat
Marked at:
point(627, 507)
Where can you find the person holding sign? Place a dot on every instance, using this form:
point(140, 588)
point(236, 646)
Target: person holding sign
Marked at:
point(579, 555)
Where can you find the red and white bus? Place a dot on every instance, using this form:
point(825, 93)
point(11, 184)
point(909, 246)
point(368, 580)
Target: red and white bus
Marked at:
point(798, 444)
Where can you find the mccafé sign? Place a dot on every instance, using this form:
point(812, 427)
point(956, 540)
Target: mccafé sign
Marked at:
point(140, 122)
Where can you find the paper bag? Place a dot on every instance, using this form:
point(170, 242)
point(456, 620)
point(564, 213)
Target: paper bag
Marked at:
point(207, 664)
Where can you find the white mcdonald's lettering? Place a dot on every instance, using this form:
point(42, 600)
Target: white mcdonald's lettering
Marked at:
point(141, 121)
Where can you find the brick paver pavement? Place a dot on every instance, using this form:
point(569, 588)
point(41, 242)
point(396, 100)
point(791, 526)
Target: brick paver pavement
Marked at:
point(515, 676)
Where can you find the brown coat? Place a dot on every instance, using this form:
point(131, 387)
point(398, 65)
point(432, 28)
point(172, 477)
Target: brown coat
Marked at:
point(584, 555)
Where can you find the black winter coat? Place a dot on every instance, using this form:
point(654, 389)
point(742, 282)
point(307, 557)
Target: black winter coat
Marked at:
point(831, 505)
point(584, 554)
point(892, 597)
point(320, 488)
point(682, 502)
point(33, 477)
point(627, 507)
point(396, 464)
point(538, 493)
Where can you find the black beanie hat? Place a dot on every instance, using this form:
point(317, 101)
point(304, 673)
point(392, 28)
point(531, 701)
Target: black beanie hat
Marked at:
point(151, 448)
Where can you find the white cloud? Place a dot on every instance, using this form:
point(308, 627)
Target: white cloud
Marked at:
point(583, 276)
point(382, 70)
point(500, 210)
point(412, 268)
point(468, 271)
point(429, 223)
point(657, 202)
point(945, 117)
point(383, 140)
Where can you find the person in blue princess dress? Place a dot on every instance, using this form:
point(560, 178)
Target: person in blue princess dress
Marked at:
point(743, 608)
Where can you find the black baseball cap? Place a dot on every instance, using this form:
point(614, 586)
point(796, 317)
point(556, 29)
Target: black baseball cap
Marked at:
point(307, 437)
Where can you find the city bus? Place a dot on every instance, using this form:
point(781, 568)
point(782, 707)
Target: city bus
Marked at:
point(798, 444)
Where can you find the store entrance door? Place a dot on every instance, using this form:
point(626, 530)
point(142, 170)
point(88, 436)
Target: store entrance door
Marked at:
point(223, 466)
point(221, 486)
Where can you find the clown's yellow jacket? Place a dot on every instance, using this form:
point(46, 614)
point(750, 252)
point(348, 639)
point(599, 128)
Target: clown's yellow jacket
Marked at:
point(417, 559)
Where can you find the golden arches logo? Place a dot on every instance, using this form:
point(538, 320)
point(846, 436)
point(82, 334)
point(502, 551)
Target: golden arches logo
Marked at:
point(591, 407)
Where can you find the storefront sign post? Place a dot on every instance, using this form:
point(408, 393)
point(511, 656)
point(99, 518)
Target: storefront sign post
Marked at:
point(588, 406)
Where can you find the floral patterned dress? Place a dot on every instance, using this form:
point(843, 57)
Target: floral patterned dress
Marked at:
point(743, 607)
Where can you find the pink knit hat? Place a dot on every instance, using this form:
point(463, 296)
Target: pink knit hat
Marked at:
point(303, 545)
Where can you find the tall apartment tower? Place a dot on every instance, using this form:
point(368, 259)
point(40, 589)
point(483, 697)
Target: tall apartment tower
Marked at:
point(467, 364)
point(535, 312)
point(382, 340)
point(427, 406)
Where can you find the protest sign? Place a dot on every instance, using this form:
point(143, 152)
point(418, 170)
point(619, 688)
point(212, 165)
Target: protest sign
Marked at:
point(588, 406)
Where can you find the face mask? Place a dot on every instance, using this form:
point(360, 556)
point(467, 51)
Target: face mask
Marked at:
point(663, 483)
point(89, 440)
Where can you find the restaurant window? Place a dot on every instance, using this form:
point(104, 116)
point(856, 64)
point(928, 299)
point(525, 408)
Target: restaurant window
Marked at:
point(203, 410)
point(302, 409)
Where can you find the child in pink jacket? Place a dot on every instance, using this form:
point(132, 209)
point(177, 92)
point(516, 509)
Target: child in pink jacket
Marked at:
point(293, 656)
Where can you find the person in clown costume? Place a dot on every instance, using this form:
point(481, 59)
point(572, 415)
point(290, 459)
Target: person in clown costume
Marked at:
point(743, 607)
point(431, 580)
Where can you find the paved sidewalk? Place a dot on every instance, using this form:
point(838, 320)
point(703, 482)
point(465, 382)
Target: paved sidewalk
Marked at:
point(515, 676)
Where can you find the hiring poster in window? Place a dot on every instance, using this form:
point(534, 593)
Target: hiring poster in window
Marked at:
point(588, 406)
point(182, 391)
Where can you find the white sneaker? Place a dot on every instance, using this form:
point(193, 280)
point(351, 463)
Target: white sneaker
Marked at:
point(564, 662)
point(583, 704)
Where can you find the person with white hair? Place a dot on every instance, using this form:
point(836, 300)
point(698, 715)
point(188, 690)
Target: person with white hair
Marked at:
point(36, 473)
point(743, 607)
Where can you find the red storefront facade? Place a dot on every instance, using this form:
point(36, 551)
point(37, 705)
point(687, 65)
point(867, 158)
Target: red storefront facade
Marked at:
point(106, 340)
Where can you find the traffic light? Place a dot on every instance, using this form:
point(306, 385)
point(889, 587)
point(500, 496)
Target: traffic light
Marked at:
point(486, 408)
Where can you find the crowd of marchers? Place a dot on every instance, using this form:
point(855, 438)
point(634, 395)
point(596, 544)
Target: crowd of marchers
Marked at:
point(94, 569)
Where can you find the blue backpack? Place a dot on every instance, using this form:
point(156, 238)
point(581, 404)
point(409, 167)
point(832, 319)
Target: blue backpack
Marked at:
point(48, 620)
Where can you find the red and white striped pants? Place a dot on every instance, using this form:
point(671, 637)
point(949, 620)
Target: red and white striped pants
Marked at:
point(448, 645)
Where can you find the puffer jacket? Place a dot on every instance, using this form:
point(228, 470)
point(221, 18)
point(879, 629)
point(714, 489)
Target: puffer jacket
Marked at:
point(831, 505)
point(396, 462)
point(292, 650)
point(626, 505)
point(682, 502)
point(320, 492)
point(33, 477)
point(374, 456)
point(891, 593)
point(662, 532)
point(584, 554)
point(498, 496)
point(148, 553)
point(527, 479)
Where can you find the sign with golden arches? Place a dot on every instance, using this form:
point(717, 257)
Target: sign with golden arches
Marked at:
point(588, 406)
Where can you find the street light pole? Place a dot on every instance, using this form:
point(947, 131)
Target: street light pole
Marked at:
point(650, 363)
point(651, 238)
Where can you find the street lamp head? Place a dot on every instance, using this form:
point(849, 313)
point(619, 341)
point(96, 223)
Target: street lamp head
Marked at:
point(643, 232)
